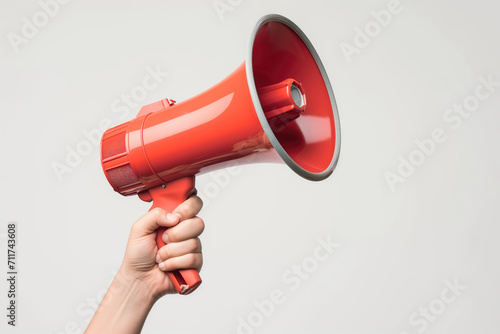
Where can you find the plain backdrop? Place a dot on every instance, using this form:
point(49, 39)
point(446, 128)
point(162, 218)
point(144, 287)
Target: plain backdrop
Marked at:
point(397, 248)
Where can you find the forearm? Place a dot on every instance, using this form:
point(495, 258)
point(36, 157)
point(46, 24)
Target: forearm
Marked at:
point(124, 308)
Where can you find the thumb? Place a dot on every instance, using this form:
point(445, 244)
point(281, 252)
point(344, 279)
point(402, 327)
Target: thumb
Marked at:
point(155, 218)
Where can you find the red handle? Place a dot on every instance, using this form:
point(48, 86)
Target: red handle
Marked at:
point(168, 197)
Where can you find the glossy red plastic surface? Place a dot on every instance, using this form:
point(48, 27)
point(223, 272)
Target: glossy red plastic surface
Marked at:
point(278, 103)
point(279, 53)
point(173, 141)
point(170, 141)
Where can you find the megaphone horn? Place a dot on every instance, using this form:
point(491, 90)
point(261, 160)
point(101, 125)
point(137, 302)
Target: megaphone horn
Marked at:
point(278, 103)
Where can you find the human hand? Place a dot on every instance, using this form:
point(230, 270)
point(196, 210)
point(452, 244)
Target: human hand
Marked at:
point(146, 263)
point(140, 282)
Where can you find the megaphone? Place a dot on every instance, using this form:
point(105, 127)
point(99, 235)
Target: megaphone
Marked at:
point(277, 106)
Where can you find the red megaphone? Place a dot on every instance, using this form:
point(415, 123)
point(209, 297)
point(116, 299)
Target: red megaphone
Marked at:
point(259, 112)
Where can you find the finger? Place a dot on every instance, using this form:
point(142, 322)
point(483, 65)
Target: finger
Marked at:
point(152, 220)
point(189, 208)
point(187, 261)
point(187, 229)
point(175, 249)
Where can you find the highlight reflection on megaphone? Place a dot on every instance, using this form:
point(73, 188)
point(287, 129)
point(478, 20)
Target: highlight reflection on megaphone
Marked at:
point(277, 105)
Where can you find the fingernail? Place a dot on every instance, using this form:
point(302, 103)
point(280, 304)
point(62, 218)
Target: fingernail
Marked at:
point(171, 218)
point(164, 237)
point(158, 259)
point(161, 265)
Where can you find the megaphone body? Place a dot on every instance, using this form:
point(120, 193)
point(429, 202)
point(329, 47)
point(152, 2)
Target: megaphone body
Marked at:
point(276, 106)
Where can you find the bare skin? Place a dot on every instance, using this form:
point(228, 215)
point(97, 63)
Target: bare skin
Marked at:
point(141, 279)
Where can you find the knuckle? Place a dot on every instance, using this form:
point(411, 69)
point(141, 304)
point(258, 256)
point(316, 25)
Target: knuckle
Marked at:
point(198, 261)
point(172, 234)
point(167, 266)
point(135, 227)
point(156, 213)
point(188, 208)
point(191, 259)
point(164, 253)
point(198, 202)
point(193, 244)
point(191, 207)
point(199, 223)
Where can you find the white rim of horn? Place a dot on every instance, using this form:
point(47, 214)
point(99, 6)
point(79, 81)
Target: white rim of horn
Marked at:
point(262, 117)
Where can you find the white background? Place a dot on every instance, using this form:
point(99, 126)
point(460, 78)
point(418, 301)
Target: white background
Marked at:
point(397, 248)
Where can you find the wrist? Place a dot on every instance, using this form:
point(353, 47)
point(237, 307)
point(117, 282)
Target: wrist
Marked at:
point(136, 290)
point(129, 299)
point(125, 306)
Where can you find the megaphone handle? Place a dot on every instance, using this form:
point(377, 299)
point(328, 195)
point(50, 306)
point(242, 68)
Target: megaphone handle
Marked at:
point(168, 197)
